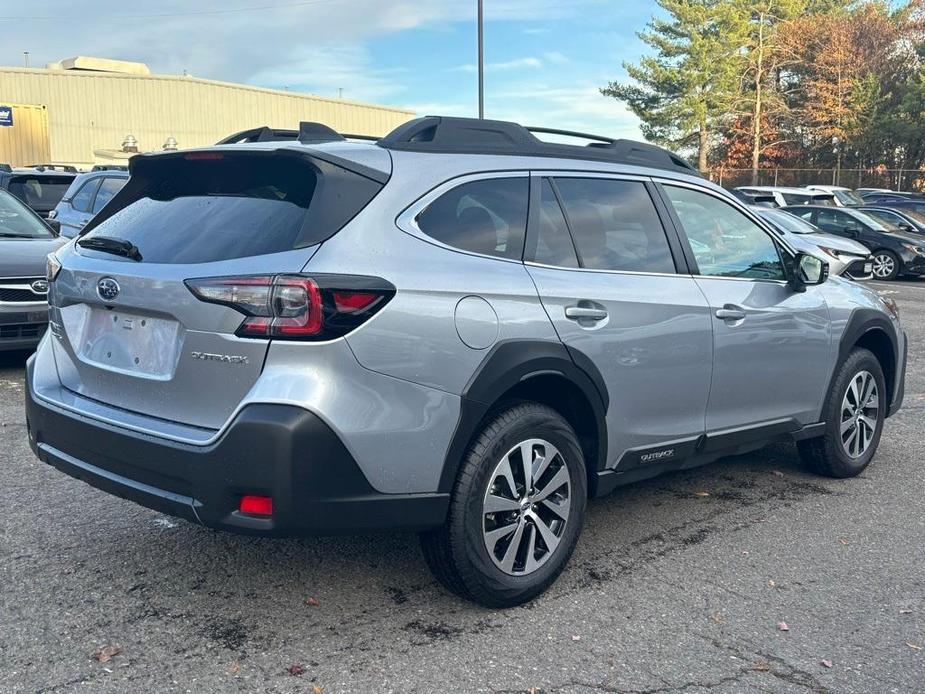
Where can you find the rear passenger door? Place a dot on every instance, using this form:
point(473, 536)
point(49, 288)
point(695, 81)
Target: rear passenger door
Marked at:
point(771, 347)
point(607, 274)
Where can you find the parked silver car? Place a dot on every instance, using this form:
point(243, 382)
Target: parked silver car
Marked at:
point(844, 256)
point(25, 242)
point(458, 329)
point(87, 195)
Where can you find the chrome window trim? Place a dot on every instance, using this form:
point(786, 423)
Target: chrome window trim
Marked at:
point(407, 219)
point(533, 263)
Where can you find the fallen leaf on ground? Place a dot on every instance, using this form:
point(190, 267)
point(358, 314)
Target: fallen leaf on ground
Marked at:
point(772, 584)
point(701, 493)
point(717, 619)
point(762, 666)
point(316, 689)
point(777, 473)
point(782, 626)
point(312, 602)
point(234, 669)
point(825, 663)
point(296, 670)
point(913, 646)
point(844, 541)
point(107, 653)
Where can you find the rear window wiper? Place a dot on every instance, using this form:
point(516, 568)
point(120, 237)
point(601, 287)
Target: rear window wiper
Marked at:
point(107, 244)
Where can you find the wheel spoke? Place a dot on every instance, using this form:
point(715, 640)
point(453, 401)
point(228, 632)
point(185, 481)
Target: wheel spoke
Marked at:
point(540, 465)
point(526, 461)
point(853, 391)
point(549, 537)
point(849, 442)
point(846, 425)
point(530, 563)
point(558, 506)
point(510, 555)
point(504, 470)
point(873, 402)
point(492, 537)
point(871, 424)
point(560, 478)
point(497, 504)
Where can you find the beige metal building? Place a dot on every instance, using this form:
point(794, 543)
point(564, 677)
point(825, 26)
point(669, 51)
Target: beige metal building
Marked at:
point(87, 107)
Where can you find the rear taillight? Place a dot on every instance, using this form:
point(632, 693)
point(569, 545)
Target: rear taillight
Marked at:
point(296, 307)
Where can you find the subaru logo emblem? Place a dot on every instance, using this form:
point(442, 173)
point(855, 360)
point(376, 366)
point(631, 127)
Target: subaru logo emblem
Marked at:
point(39, 287)
point(107, 288)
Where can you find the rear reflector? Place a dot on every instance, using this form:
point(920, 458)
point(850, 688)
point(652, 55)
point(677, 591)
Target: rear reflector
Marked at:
point(256, 505)
point(199, 156)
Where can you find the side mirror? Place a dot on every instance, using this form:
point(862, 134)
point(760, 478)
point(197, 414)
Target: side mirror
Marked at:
point(808, 272)
point(54, 225)
point(905, 226)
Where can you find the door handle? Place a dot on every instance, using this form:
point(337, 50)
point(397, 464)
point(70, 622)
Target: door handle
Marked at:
point(731, 312)
point(585, 312)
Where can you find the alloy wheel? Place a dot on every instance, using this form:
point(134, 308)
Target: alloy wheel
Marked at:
point(859, 414)
point(884, 265)
point(526, 507)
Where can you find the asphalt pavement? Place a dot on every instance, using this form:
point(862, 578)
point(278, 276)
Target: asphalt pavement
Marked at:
point(749, 575)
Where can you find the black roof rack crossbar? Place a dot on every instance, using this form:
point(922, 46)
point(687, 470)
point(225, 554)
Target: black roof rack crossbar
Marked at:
point(109, 167)
point(453, 135)
point(569, 133)
point(67, 168)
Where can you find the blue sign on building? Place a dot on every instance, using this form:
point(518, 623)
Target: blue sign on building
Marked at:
point(6, 115)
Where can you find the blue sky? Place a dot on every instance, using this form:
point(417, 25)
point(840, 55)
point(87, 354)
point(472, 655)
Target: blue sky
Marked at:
point(545, 59)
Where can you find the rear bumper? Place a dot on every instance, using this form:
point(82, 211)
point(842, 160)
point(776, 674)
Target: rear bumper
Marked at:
point(281, 451)
point(913, 264)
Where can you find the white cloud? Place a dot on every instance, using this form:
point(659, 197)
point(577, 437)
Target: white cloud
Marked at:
point(555, 58)
point(506, 66)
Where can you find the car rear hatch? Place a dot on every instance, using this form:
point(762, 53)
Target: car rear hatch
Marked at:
point(131, 332)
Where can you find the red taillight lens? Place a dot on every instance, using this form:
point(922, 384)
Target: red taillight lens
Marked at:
point(296, 307)
point(203, 156)
point(256, 505)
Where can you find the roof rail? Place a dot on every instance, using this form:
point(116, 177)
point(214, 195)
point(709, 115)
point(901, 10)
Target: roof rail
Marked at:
point(53, 167)
point(308, 132)
point(109, 167)
point(478, 136)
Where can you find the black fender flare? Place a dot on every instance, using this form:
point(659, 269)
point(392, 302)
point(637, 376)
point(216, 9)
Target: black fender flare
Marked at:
point(861, 322)
point(511, 362)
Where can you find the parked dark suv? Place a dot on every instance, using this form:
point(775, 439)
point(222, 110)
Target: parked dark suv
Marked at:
point(41, 187)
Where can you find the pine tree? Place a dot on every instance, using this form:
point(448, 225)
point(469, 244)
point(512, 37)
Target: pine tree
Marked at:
point(682, 92)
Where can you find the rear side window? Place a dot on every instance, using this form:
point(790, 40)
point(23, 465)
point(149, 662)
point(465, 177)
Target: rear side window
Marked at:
point(615, 225)
point(84, 197)
point(108, 188)
point(205, 207)
point(488, 216)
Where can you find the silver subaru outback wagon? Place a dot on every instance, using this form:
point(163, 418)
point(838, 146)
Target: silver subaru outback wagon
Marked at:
point(459, 329)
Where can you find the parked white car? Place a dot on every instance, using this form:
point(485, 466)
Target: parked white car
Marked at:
point(789, 196)
point(843, 197)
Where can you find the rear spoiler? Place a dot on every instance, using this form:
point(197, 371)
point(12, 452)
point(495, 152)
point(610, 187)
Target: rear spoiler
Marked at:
point(142, 164)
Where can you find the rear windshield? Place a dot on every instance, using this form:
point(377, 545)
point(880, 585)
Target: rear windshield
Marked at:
point(16, 221)
point(788, 222)
point(848, 197)
point(40, 192)
point(179, 210)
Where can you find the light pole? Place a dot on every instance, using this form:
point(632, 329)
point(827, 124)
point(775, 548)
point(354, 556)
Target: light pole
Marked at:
point(481, 65)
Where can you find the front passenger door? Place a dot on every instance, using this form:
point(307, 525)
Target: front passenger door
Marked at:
point(771, 345)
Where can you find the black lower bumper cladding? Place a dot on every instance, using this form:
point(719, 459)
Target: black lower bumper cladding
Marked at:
point(281, 451)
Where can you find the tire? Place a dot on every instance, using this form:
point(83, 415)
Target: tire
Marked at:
point(886, 265)
point(458, 552)
point(831, 454)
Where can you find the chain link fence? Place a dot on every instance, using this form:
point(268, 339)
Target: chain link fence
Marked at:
point(893, 179)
